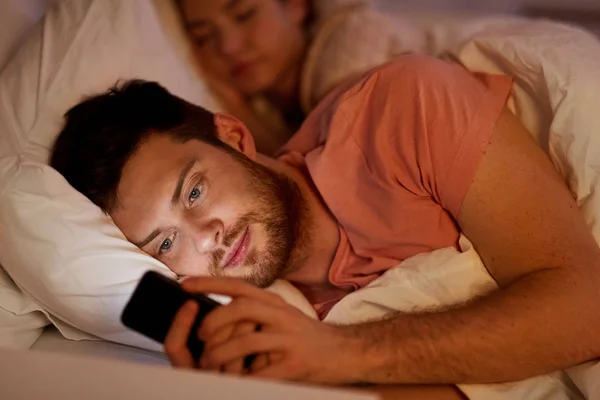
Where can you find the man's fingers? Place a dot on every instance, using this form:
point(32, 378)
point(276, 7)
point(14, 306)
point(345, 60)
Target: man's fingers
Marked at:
point(233, 287)
point(240, 347)
point(278, 371)
point(265, 360)
point(261, 361)
point(241, 329)
point(241, 310)
point(176, 341)
point(220, 336)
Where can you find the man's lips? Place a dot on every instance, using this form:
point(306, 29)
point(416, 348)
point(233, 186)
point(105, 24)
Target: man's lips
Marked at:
point(238, 251)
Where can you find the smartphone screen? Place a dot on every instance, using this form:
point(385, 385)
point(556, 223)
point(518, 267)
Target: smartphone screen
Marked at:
point(153, 305)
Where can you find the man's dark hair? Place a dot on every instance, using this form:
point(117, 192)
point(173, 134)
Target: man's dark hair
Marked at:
point(102, 132)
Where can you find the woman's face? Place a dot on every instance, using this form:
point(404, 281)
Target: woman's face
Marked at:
point(252, 44)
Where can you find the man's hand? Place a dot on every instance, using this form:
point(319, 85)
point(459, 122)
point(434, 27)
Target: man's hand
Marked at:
point(175, 343)
point(289, 345)
point(179, 355)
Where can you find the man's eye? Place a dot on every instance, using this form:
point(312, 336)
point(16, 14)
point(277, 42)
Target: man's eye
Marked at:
point(194, 194)
point(166, 244)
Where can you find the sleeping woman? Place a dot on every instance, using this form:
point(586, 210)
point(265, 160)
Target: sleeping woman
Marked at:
point(272, 61)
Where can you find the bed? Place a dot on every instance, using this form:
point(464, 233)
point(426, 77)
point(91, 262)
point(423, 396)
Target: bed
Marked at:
point(54, 316)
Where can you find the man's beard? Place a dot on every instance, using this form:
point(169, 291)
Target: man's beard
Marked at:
point(280, 209)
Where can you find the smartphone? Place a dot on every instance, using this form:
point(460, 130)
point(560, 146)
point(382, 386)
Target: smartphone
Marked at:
point(153, 305)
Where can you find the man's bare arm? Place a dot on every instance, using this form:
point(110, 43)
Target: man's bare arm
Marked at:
point(534, 242)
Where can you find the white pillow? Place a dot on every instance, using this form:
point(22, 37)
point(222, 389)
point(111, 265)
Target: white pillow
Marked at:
point(21, 320)
point(82, 270)
point(16, 18)
point(556, 95)
point(55, 244)
point(82, 48)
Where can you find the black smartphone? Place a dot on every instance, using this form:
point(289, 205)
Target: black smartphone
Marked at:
point(153, 305)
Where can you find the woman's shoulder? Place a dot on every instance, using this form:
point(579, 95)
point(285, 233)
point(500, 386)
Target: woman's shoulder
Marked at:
point(349, 42)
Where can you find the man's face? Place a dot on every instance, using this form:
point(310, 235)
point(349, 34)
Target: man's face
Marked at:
point(203, 210)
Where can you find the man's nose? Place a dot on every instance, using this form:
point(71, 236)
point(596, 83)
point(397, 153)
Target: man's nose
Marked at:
point(207, 235)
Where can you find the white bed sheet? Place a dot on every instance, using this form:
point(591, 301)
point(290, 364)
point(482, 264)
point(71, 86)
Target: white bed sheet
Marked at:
point(66, 376)
point(53, 341)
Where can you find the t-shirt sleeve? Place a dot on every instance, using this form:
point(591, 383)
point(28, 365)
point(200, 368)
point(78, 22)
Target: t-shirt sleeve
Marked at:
point(425, 124)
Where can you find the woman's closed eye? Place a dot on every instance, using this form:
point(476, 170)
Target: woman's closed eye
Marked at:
point(203, 35)
point(246, 15)
point(203, 40)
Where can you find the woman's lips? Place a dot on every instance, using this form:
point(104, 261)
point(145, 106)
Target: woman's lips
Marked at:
point(241, 69)
point(239, 250)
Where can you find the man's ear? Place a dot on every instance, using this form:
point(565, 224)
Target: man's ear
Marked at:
point(235, 134)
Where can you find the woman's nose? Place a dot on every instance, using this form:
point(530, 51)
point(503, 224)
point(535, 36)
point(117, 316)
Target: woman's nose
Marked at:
point(208, 235)
point(232, 42)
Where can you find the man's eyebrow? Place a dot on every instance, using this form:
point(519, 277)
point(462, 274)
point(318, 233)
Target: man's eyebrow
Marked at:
point(176, 195)
point(180, 182)
point(150, 238)
point(200, 22)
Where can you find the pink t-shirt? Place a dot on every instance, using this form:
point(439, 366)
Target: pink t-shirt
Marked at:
point(393, 154)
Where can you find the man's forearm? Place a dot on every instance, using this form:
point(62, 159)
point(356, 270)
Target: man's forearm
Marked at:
point(542, 322)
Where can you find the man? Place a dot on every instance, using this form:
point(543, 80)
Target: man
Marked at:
point(395, 163)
